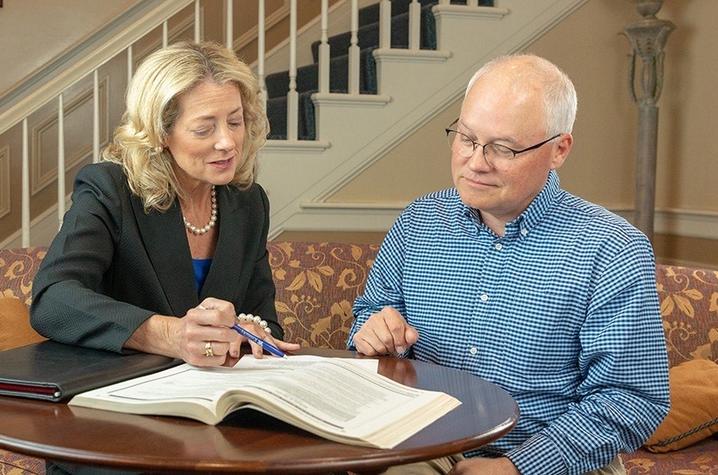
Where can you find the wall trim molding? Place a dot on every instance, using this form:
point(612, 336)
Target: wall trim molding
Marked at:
point(379, 217)
point(5, 181)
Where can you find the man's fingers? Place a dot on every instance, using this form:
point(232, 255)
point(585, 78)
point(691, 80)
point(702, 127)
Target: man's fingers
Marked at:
point(367, 344)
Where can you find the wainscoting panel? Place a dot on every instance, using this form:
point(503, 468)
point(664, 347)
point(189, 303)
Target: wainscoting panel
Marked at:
point(78, 114)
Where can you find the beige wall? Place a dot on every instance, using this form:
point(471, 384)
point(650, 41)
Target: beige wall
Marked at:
point(588, 46)
point(34, 32)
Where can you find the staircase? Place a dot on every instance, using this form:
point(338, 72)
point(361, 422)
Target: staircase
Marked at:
point(403, 82)
point(342, 134)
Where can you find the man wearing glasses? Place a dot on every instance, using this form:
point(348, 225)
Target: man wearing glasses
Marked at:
point(510, 277)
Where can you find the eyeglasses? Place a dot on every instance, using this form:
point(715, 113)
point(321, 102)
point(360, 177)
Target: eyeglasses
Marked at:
point(465, 147)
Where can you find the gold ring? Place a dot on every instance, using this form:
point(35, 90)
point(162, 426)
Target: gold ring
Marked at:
point(208, 349)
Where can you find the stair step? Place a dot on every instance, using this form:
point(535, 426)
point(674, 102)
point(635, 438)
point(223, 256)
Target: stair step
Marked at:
point(368, 39)
point(368, 35)
point(308, 76)
point(370, 13)
point(277, 114)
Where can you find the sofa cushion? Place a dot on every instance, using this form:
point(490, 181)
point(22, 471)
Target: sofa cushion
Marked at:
point(694, 407)
point(317, 283)
point(17, 270)
point(15, 329)
point(689, 308)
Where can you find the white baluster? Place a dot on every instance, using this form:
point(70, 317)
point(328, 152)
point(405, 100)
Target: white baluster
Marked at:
point(354, 52)
point(96, 117)
point(385, 24)
point(472, 3)
point(60, 159)
point(414, 24)
point(324, 51)
point(292, 96)
point(444, 2)
point(130, 65)
point(25, 212)
point(196, 21)
point(260, 53)
point(229, 28)
point(165, 34)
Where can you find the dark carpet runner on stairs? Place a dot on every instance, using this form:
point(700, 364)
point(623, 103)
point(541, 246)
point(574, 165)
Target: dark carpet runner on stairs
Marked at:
point(368, 40)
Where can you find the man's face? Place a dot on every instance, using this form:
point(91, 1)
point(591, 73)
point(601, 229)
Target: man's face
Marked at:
point(496, 111)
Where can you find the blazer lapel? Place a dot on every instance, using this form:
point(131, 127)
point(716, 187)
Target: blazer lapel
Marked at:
point(224, 274)
point(166, 243)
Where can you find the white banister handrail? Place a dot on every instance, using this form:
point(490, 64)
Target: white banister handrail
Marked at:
point(60, 159)
point(48, 88)
point(414, 25)
point(25, 213)
point(229, 27)
point(385, 24)
point(95, 116)
point(354, 51)
point(292, 95)
point(324, 51)
point(261, 52)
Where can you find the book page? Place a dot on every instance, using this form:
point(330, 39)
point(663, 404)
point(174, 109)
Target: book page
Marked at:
point(341, 399)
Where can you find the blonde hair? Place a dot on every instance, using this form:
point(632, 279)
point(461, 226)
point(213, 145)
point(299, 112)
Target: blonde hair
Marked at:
point(153, 108)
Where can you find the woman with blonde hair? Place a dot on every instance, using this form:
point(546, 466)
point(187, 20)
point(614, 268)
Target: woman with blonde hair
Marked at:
point(170, 223)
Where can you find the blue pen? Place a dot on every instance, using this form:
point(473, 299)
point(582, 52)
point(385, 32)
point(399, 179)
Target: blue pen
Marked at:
point(263, 343)
point(248, 334)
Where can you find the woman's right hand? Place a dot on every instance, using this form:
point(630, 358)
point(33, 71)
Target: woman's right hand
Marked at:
point(204, 337)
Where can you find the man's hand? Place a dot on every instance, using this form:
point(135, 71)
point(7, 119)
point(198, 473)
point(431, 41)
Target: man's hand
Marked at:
point(386, 332)
point(485, 466)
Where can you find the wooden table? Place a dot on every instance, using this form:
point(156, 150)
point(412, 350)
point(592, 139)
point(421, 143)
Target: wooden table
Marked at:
point(253, 442)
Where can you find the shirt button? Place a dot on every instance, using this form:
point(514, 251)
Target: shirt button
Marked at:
point(484, 297)
point(524, 231)
point(473, 350)
point(498, 246)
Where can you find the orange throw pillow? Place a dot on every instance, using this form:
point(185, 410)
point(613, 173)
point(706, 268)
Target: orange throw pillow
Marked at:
point(15, 329)
point(694, 407)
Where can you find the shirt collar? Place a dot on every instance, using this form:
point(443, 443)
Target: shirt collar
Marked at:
point(532, 216)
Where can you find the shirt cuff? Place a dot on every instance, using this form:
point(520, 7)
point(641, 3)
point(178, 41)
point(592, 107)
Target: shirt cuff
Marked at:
point(538, 455)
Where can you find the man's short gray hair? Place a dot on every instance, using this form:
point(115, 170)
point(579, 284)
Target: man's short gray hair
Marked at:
point(560, 101)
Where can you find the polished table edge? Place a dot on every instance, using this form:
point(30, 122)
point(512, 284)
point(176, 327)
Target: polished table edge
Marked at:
point(371, 459)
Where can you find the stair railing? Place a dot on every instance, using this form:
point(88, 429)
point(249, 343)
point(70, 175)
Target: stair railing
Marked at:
point(165, 10)
point(292, 95)
point(55, 88)
point(324, 50)
point(354, 51)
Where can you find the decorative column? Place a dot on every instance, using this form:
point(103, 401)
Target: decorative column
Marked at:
point(648, 37)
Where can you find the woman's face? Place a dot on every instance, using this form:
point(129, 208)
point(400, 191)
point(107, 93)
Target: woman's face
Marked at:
point(207, 137)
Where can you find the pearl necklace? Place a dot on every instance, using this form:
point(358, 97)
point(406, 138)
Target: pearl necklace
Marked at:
point(212, 220)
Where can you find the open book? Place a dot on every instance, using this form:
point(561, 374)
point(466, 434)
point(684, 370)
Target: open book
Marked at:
point(338, 399)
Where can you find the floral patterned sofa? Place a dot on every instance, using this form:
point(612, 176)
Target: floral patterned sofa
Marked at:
point(317, 283)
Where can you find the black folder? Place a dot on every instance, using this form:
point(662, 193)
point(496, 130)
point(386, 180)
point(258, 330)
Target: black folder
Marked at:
point(54, 371)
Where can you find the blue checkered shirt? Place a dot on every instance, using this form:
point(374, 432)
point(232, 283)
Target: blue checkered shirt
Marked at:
point(562, 312)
